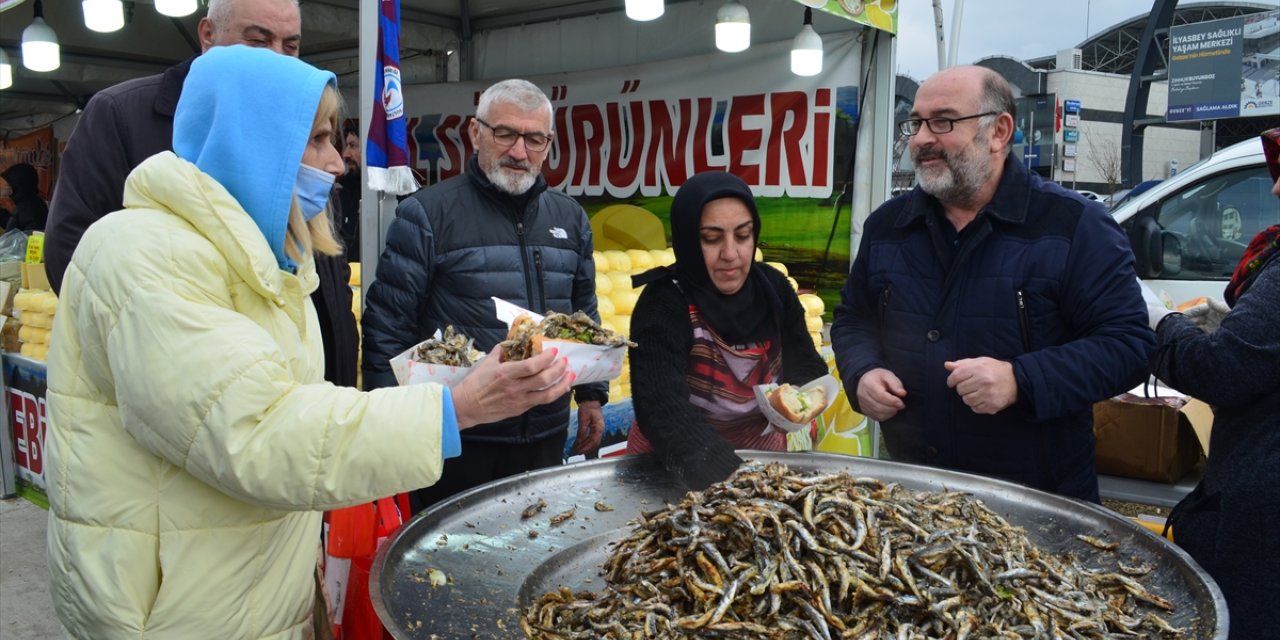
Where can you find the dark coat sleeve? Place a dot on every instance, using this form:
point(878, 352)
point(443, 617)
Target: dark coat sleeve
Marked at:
point(682, 439)
point(337, 323)
point(1102, 304)
point(396, 302)
point(1237, 364)
point(855, 327)
point(90, 182)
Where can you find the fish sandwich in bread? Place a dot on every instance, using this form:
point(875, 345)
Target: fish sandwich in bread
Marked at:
point(796, 405)
point(527, 337)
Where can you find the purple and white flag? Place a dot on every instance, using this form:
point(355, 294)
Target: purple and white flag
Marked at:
point(387, 153)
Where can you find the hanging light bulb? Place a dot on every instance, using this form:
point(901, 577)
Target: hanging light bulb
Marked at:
point(176, 8)
point(733, 27)
point(644, 10)
point(40, 50)
point(6, 71)
point(103, 16)
point(806, 49)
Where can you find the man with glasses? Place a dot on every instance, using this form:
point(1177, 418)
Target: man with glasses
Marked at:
point(988, 309)
point(496, 230)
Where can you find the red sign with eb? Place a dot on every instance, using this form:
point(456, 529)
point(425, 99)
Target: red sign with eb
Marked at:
point(26, 383)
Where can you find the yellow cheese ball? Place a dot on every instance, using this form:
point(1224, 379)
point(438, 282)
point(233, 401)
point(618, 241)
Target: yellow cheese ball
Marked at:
point(794, 284)
point(759, 255)
point(813, 304)
point(621, 281)
point(624, 302)
point(601, 260)
point(604, 284)
point(662, 257)
point(622, 324)
point(354, 280)
point(607, 323)
point(817, 339)
point(641, 259)
point(779, 266)
point(618, 260)
point(604, 305)
point(814, 323)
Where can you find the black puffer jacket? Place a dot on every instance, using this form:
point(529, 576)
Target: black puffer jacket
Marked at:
point(457, 244)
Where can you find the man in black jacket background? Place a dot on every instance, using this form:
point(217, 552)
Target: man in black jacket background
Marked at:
point(495, 230)
point(132, 121)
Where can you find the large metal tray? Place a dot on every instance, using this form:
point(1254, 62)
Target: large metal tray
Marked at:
point(495, 563)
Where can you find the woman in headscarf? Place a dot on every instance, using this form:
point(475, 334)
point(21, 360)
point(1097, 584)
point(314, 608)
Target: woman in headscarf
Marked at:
point(193, 442)
point(710, 328)
point(1230, 523)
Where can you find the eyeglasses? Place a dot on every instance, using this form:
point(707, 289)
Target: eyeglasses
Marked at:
point(936, 125)
point(533, 141)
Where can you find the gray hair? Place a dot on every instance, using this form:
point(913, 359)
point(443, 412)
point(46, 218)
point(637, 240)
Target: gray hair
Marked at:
point(522, 94)
point(220, 11)
point(996, 97)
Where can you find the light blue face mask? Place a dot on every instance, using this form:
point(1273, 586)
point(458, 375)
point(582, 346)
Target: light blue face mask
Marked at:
point(312, 187)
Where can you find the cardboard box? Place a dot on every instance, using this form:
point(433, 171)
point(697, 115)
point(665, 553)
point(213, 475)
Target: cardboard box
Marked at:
point(7, 291)
point(34, 277)
point(1150, 438)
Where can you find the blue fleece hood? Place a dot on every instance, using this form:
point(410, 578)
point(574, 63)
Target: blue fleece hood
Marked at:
point(244, 119)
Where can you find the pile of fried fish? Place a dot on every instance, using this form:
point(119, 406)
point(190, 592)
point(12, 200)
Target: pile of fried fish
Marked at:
point(779, 554)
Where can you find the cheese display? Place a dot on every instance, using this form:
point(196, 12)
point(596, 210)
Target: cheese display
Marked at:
point(34, 309)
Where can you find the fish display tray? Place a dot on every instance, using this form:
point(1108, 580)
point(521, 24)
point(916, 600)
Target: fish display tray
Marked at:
point(466, 567)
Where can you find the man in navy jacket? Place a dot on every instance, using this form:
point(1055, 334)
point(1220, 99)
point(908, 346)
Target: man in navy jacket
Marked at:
point(987, 309)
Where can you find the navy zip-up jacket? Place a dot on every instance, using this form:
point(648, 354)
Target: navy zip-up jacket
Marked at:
point(456, 244)
point(1044, 279)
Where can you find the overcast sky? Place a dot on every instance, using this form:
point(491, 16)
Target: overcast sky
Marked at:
point(1019, 28)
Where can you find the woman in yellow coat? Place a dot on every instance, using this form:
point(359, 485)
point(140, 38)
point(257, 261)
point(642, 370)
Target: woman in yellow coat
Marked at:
point(193, 443)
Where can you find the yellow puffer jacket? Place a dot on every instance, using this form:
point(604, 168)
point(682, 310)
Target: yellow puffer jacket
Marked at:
point(192, 442)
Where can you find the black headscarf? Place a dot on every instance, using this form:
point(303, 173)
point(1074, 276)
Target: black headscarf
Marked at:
point(749, 315)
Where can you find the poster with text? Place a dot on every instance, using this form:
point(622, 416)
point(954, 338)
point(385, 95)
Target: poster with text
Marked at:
point(1225, 68)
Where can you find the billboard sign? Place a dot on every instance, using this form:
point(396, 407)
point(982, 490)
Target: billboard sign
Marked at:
point(1224, 68)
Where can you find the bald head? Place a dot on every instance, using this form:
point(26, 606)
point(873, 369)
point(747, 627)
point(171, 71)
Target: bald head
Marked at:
point(967, 90)
point(268, 24)
point(959, 153)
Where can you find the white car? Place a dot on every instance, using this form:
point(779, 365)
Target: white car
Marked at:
point(1189, 232)
point(1089, 194)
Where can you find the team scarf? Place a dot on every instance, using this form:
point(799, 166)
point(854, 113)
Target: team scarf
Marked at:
point(387, 153)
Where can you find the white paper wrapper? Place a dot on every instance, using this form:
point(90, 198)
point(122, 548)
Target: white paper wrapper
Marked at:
point(776, 421)
point(591, 363)
point(410, 371)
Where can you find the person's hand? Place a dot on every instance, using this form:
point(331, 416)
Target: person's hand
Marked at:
point(986, 385)
point(496, 390)
point(590, 427)
point(880, 394)
point(1208, 315)
point(1156, 308)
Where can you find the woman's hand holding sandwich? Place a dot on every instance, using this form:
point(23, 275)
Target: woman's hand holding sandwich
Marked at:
point(496, 390)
